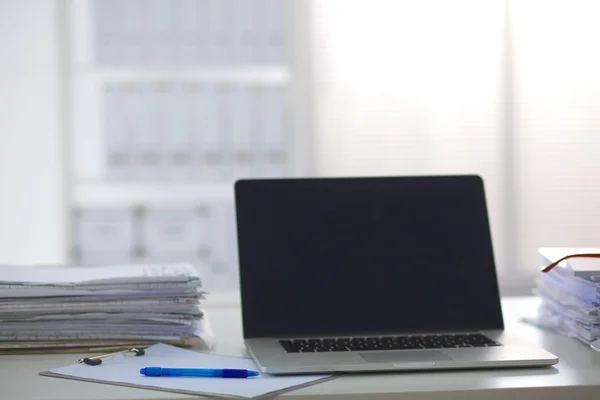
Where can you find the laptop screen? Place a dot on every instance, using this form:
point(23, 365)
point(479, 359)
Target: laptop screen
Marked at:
point(342, 256)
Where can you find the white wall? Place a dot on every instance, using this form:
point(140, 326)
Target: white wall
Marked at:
point(32, 181)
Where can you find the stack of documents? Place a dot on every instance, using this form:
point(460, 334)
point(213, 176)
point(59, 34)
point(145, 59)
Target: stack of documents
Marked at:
point(570, 294)
point(100, 307)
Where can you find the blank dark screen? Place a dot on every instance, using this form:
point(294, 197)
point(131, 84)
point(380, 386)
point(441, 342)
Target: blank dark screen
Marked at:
point(328, 256)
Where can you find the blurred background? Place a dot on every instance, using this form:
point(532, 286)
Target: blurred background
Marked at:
point(124, 123)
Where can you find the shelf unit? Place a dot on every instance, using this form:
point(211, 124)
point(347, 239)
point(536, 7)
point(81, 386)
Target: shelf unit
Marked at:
point(94, 190)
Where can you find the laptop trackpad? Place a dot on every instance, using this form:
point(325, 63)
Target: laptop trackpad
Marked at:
point(404, 356)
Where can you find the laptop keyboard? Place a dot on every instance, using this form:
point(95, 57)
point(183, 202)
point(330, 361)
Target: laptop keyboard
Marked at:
point(387, 343)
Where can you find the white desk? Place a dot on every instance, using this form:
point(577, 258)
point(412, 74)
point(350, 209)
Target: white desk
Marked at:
point(576, 376)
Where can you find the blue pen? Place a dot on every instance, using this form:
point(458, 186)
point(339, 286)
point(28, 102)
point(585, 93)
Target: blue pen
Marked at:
point(199, 372)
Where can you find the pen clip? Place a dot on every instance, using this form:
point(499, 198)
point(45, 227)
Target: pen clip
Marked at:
point(97, 360)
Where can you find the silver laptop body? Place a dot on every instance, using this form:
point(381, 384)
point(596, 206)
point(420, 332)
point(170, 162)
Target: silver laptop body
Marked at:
point(371, 274)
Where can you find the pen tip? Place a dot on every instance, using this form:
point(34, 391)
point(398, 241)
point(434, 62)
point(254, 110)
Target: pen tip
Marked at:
point(143, 371)
point(252, 373)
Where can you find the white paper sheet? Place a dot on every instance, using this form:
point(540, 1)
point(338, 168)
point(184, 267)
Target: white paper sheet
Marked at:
point(124, 371)
point(80, 275)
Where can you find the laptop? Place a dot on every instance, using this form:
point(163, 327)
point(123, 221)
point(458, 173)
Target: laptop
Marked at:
point(371, 274)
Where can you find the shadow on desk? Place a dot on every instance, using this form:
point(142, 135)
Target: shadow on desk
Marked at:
point(467, 373)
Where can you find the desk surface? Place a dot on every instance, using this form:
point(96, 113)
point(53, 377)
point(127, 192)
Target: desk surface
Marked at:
point(577, 374)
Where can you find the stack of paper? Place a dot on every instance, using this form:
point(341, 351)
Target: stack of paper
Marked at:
point(570, 294)
point(74, 307)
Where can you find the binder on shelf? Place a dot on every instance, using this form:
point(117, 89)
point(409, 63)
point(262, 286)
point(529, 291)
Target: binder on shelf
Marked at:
point(272, 129)
point(225, 130)
point(244, 35)
point(160, 31)
point(190, 100)
point(243, 127)
point(186, 30)
point(152, 129)
point(135, 123)
point(208, 145)
point(221, 31)
point(131, 36)
point(203, 35)
point(117, 132)
point(176, 134)
point(105, 29)
point(271, 26)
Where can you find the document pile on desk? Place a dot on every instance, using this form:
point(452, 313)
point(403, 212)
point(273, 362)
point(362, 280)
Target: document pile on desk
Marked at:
point(570, 294)
point(56, 307)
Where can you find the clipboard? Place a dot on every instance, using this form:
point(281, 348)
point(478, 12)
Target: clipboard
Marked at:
point(124, 371)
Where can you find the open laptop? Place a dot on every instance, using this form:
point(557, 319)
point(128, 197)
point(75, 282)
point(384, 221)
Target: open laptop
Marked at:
point(368, 274)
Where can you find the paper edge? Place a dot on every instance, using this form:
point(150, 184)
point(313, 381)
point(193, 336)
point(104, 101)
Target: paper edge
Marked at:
point(51, 374)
